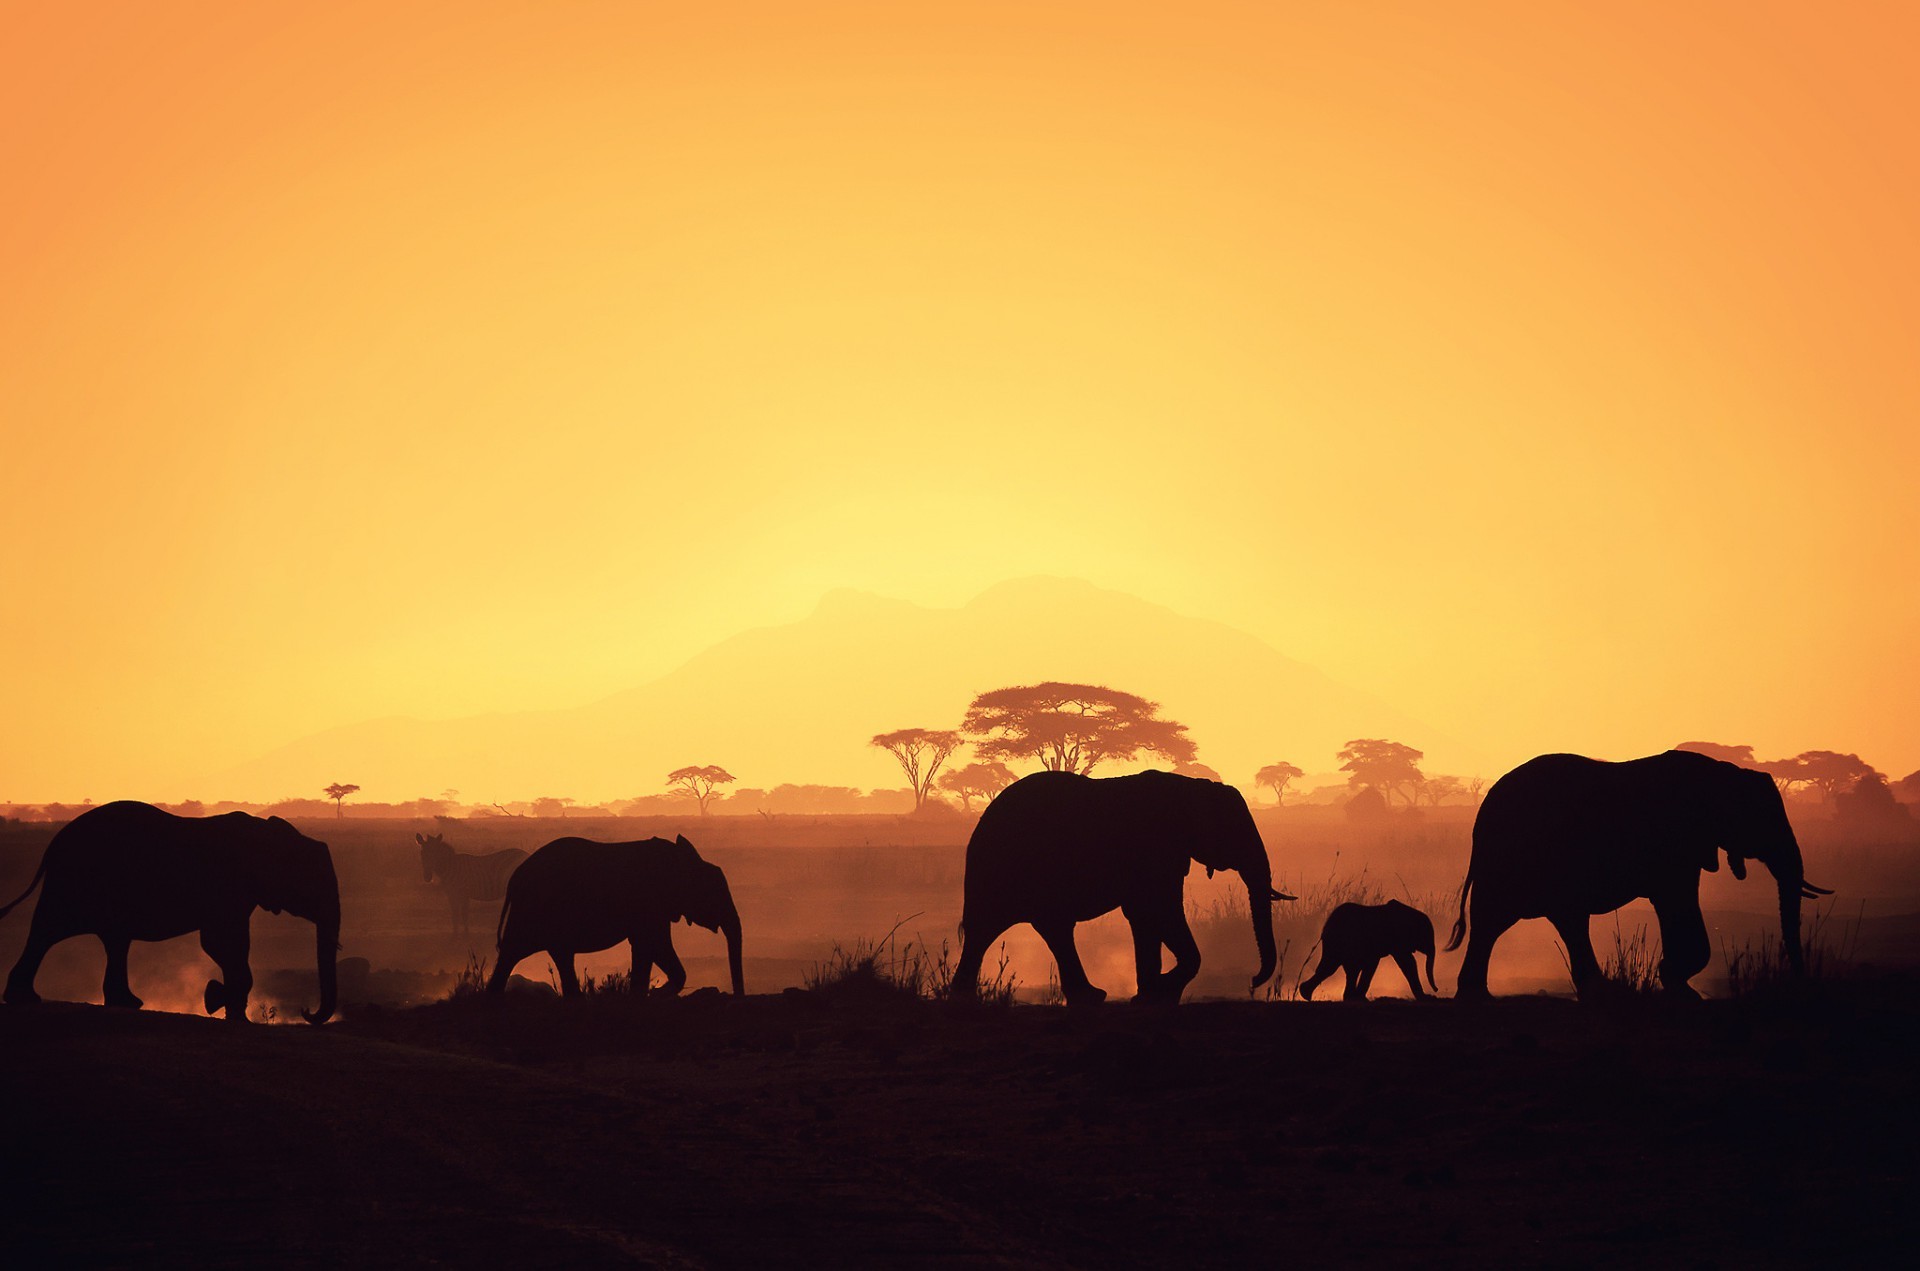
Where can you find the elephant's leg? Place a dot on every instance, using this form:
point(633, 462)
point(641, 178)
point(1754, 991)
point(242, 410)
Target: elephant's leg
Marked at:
point(975, 941)
point(563, 966)
point(1575, 933)
point(42, 935)
point(1074, 985)
point(1488, 923)
point(1186, 953)
point(1328, 965)
point(1360, 978)
point(1684, 947)
point(508, 957)
point(1403, 958)
point(115, 990)
point(1148, 986)
point(227, 944)
point(662, 956)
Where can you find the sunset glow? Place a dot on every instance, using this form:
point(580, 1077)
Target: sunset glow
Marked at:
point(1547, 373)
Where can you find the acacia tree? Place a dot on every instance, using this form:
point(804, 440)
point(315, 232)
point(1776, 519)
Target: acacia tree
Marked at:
point(1276, 777)
point(921, 752)
point(1072, 727)
point(338, 792)
point(1194, 768)
point(1436, 789)
point(976, 781)
point(1382, 765)
point(698, 782)
point(1830, 772)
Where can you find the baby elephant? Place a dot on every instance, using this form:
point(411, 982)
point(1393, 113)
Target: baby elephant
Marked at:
point(1356, 937)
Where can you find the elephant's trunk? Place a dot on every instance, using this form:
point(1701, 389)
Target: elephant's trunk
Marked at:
point(1260, 898)
point(326, 937)
point(730, 928)
point(1790, 924)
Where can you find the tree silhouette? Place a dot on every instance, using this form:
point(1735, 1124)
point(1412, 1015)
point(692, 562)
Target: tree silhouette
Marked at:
point(1907, 789)
point(1436, 789)
point(1072, 727)
point(1194, 768)
point(1382, 765)
point(920, 751)
point(1276, 777)
point(1786, 773)
point(1742, 755)
point(550, 807)
point(976, 781)
point(1868, 802)
point(698, 782)
point(1829, 771)
point(338, 792)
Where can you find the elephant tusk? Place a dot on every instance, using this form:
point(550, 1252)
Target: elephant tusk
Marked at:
point(1809, 891)
point(1277, 894)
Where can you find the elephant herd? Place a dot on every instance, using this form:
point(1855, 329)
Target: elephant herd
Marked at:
point(1561, 837)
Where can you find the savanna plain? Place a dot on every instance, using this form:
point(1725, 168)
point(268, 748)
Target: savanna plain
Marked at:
point(841, 1114)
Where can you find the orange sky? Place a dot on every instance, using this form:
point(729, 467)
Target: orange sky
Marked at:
point(1549, 372)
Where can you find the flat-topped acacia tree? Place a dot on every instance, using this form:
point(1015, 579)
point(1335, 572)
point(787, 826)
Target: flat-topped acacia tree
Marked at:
point(1072, 727)
point(338, 792)
point(698, 782)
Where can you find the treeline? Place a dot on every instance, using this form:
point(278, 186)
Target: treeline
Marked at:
point(1852, 790)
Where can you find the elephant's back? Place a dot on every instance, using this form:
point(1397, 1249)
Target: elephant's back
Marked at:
point(1031, 835)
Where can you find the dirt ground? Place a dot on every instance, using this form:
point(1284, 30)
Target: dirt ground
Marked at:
point(805, 1129)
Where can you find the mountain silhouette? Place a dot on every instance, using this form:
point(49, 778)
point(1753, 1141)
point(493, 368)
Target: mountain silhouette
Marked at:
point(798, 702)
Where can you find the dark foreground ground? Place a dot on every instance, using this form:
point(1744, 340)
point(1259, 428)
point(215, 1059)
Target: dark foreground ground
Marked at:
point(803, 1130)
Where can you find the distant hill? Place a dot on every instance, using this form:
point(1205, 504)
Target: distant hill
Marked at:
point(798, 702)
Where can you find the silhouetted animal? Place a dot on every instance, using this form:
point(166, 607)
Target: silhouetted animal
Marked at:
point(1056, 848)
point(1562, 837)
point(1356, 937)
point(577, 896)
point(128, 871)
point(466, 878)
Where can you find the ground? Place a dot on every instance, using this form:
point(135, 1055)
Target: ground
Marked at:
point(804, 1129)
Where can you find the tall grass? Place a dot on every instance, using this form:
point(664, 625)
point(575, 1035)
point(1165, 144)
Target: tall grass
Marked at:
point(471, 980)
point(892, 969)
point(1632, 965)
point(1761, 965)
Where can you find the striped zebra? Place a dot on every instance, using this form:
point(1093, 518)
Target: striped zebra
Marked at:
point(466, 878)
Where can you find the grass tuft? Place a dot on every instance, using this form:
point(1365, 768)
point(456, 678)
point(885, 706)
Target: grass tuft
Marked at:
point(891, 969)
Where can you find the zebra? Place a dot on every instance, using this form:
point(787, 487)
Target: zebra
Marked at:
point(466, 878)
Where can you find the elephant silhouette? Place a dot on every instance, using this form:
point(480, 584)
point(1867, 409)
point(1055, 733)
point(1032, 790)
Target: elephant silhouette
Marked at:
point(577, 896)
point(1355, 939)
point(1057, 848)
point(1563, 837)
point(129, 871)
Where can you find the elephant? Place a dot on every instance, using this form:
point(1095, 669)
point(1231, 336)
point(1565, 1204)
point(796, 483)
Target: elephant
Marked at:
point(577, 896)
point(1058, 848)
point(1356, 937)
point(129, 871)
point(1562, 837)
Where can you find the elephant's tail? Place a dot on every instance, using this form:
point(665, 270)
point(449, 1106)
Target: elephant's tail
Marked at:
point(1459, 923)
point(38, 874)
point(500, 928)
